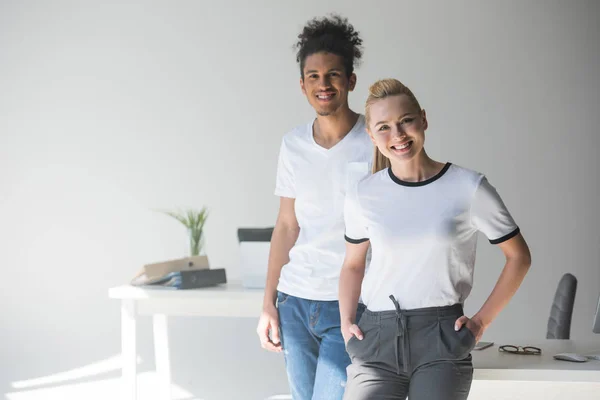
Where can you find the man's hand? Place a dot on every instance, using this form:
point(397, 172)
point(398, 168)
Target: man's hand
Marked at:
point(268, 329)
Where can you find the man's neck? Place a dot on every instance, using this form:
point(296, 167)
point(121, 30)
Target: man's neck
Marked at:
point(328, 130)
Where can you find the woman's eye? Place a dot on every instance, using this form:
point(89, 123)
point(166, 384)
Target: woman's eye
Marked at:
point(383, 128)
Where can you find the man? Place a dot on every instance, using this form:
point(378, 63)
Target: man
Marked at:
point(317, 163)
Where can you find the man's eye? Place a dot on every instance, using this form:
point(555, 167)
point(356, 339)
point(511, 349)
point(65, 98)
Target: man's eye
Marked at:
point(408, 121)
point(383, 128)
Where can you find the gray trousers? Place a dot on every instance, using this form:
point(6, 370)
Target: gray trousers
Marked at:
point(415, 353)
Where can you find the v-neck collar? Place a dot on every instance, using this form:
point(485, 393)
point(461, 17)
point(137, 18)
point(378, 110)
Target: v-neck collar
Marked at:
point(355, 128)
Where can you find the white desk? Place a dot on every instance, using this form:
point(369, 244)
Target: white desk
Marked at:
point(232, 300)
point(503, 376)
point(491, 364)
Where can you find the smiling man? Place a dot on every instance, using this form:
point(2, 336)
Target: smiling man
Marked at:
point(317, 163)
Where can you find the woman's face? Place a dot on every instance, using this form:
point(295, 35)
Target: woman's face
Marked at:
point(397, 127)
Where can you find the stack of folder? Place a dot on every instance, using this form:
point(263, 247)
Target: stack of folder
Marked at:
point(184, 273)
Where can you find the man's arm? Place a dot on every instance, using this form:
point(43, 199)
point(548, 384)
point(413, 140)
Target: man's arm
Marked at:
point(283, 239)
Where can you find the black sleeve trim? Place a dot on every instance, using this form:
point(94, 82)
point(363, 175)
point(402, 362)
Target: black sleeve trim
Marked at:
point(506, 237)
point(355, 241)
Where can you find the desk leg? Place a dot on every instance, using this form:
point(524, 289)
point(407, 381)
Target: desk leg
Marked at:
point(128, 349)
point(162, 356)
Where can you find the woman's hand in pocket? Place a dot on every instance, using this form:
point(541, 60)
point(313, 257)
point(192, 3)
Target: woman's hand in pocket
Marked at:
point(351, 330)
point(472, 324)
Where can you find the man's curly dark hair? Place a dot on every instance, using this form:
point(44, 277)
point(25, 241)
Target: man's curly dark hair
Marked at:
point(333, 34)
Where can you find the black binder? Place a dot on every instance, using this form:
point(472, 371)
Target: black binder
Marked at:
point(193, 279)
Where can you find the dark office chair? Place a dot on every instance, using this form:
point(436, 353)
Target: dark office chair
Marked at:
point(559, 323)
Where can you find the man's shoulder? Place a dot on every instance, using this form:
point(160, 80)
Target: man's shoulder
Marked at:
point(299, 131)
point(360, 131)
point(296, 135)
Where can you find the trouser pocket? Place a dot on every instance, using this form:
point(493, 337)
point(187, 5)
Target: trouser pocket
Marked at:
point(454, 345)
point(367, 349)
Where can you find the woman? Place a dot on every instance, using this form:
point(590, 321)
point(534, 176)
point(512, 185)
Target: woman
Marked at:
point(421, 218)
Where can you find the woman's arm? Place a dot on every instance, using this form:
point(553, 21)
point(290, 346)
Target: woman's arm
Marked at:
point(351, 277)
point(518, 261)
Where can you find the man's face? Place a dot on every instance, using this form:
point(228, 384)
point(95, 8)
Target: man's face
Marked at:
point(325, 83)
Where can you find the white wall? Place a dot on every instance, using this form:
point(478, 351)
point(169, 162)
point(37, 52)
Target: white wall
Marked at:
point(110, 111)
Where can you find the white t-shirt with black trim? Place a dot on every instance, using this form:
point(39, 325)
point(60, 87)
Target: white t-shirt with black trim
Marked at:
point(318, 179)
point(423, 235)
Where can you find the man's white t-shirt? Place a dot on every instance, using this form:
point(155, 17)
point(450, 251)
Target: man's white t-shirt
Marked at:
point(423, 235)
point(318, 179)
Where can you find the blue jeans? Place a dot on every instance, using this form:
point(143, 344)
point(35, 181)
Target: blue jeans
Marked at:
point(313, 347)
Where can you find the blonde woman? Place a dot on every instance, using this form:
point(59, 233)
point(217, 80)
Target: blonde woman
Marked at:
point(421, 218)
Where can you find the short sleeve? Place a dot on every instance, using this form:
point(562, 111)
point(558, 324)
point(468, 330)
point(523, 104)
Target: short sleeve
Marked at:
point(490, 216)
point(356, 229)
point(285, 184)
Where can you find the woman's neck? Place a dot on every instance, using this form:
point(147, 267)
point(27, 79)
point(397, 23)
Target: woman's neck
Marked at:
point(419, 169)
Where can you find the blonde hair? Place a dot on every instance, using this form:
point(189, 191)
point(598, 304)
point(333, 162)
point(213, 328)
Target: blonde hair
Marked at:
point(379, 91)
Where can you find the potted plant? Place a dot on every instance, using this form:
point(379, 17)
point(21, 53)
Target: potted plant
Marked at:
point(194, 221)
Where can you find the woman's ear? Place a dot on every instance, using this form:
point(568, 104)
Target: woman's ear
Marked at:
point(371, 135)
point(424, 119)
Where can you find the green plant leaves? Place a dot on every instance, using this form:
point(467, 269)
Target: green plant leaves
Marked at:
point(194, 221)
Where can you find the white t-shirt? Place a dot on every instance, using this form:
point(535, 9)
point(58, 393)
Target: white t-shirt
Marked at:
point(423, 235)
point(318, 179)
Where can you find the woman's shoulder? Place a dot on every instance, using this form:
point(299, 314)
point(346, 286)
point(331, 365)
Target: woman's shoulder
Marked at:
point(463, 174)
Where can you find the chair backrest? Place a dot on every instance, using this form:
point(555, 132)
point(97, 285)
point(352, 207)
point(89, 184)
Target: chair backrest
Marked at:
point(559, 322)
point(255, 244)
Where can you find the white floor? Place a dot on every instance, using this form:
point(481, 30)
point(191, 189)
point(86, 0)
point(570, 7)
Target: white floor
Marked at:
point(110, 389)
point(101, 381)
point(104, 389)
point(101, 389)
